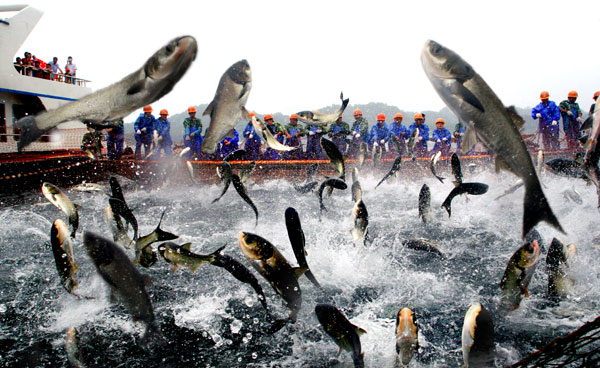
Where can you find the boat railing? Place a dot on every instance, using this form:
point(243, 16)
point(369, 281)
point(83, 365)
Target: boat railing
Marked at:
point(42, 73)
point(55, 138)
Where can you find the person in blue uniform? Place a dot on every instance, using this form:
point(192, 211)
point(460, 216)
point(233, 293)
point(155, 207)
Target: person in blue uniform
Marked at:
point(548, 115)
point(228, 145)
point(276, 131)
point(163, 127)
point(421, 144)
point(144, 128)
point(442, 138)
point(192, 133)
point(115, 139)
point(314, 151)
point(253, 141)
point(338, 132)
point(293, 132)
point(400, 132)
point(380, 134)
point(571, 116)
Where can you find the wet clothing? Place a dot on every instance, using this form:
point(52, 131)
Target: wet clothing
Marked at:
point(223, 149)
point(294, 141)
point(459, 131)
point(400, 132)
point(253, 142)
point(442, 138)
point(92, 141)
point(549, 131)
point(571, 124)
point(145, 125)
point(114, 140)
point(274, 129)
point(420, 146)
point(360, 127)
point(379, 133)
point(192, 135)
point(163, 127)
point(337, 133)
point(314, 151)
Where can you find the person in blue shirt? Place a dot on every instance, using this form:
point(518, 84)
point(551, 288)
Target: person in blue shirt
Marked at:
point(115, 139)
point(163, 127)
point(253, 142)
point(400, 132)
point(421, 144)
point(548, 115)
point(228, 145)
point(314, 151)
point(293, 132)
point(380, 133)
point(144, 128)
point(442, 138)
point(192, 134)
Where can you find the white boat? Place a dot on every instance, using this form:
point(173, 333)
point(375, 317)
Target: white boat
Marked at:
point(22, 95)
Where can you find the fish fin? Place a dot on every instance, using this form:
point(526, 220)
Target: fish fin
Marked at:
point(500, 164)
point(245, 113)
point(209, 108)
point(537, 209)
point(137, 87)
point(469, 140)
point(175, 267)
point(187, 246)
point(195, 267)
point(526, 293)
point(360, 331)
point(515, 117)
point(299, 271)
point(587, 124)
point(341, 349)
point(466, 95)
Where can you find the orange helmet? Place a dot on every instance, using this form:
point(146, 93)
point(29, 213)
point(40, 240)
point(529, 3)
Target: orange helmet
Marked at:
point(440, 120)
point(419, 116)
point(293, 116)
point(573, 94)
point(357, 112)
point(596, 94)
point(268, 116)
point(147, 108)
point(544, 95)
point(398, 115)
point(164, 112)
point(191, 109)
point(252, 114)
point(380, 116)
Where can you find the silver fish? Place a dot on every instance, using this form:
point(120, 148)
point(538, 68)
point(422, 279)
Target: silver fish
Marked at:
point(478, 337)
point(361, 221)
point(153, 80)
point(407, 337)
point(319, 119)
point(558, 261)
point(266, 136)
point(63, 255)
point(434, 159)
point(62, 202)
point(229, 104)
point(425, 204)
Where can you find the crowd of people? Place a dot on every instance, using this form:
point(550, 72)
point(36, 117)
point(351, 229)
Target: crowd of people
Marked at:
point(31, 66)
point(390, 140)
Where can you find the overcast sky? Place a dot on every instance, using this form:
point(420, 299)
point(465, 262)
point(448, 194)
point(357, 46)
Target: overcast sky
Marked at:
point(303, 53)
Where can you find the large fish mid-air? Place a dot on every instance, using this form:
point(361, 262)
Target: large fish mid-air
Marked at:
point(153, 80)
point(486, 118)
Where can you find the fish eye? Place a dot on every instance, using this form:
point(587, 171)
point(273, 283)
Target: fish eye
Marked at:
point(170, 47)
point(435, 48)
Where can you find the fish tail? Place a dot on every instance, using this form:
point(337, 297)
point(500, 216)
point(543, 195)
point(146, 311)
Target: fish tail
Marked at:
point(153, 336)
point(214, 255)
point(29, 131)
point(537, 209)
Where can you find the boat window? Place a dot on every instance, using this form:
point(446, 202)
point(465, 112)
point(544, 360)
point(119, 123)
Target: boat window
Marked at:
point(2, 123)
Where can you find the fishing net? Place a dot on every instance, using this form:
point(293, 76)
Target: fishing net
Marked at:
point(580, 348)
point(55, 139)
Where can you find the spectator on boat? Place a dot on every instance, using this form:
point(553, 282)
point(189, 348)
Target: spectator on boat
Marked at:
point(360, 131)
point(19, 65)
point(144, 128)
point(163, 127)
point(593, 107)
point(278, 132)
point(548, 115)
point(338, 132)
point(442, 138)
point(27, 63)
point(399, 133)
point(70, 70)
point(115, 139)
point(293, 132)
point(314, 151)
point(37, 71)
point(459, 132)
point(228, 145)
point(253, 142)
point(423, 137)
point(380, 134)
point(55, 68)
point(192, 133)
point(571, 117)
point(92, 142)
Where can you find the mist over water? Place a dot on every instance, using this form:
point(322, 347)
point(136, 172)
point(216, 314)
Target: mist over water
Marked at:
point(212, 320)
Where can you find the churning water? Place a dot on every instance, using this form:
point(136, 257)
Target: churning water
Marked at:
point(212, 320)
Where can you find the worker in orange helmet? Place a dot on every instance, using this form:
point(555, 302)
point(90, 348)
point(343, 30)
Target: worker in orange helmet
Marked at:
point(253, 142)
point(293, 133)
point(571, 117)
point(359, 132)
point(398, 133)
point(442, 138)
point(143, 128)
point(163, 128)
point(593, 107)
point(423, 137)
point(548, 115)
point(380, 134)
point(192, 133)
